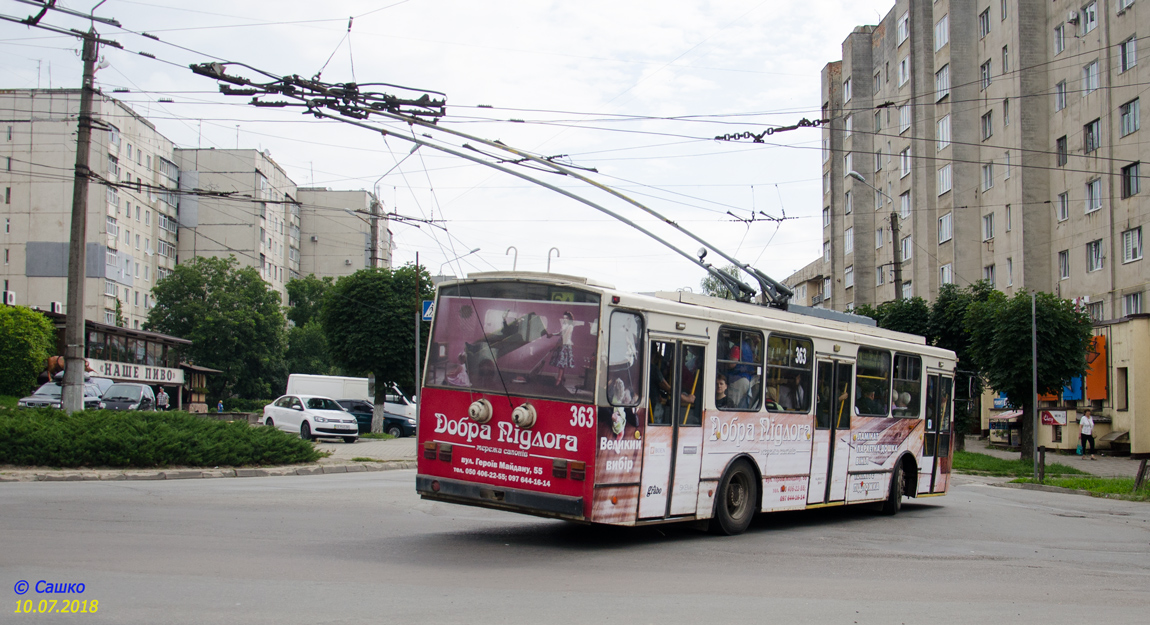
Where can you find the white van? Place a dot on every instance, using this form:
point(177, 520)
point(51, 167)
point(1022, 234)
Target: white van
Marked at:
point(341, 387)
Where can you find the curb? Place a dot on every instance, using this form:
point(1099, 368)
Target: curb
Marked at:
point(1057, 489)
point(193, 474)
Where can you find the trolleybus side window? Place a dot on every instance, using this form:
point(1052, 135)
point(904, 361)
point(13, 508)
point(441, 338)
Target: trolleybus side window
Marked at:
point(692, 381)
point(789, 364)
point(872, 382)
point(659, 403)
point(625, 359)
point(907, 398)
point(740, 366)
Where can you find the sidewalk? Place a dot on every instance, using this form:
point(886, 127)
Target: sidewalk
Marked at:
point(1104, 466)
point(363, 455)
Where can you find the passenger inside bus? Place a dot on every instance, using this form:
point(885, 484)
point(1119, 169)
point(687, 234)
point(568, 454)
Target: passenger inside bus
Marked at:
point(722, 400)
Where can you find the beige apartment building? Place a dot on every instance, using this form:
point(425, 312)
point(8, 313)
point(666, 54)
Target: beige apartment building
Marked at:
point(994, 140)
point(153, 205)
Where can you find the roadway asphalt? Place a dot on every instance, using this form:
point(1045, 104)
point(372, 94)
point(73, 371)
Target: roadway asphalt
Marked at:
point(362, 548)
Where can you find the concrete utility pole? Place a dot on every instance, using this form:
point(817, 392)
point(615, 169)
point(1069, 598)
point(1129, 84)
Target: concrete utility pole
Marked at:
point(374, 256)
point(73, 396)
point(897, 245)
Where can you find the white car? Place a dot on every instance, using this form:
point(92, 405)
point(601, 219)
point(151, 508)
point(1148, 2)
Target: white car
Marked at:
point(312, 416)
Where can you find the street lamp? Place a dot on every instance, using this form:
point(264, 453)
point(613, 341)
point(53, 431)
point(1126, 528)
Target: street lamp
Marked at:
point(896, 244)
point(456, 258)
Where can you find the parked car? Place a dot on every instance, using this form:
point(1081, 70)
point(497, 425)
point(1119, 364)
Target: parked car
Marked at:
point(103, 383)
point(312, 416)
point(51, 395)
point(129, 396)
point(396, 425)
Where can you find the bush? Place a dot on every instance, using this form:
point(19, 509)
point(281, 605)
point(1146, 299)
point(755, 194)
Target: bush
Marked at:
point(236, 404)
point(90, 438)
point(26, 340)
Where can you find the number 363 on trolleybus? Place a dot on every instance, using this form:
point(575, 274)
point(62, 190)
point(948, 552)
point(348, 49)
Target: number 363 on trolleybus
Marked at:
point(560, 397)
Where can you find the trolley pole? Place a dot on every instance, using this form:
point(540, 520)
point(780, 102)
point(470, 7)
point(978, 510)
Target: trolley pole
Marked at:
point(897, 245)
point(73, 396)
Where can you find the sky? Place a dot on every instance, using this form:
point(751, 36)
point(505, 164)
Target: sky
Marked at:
point(636, 91)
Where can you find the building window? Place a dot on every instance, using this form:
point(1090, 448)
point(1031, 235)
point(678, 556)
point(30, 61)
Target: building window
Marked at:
point(1061, 151)
point(826, 251)
point(877, 199)
point(878, 238)
point(946, 274)
point(906, 248)
point(945, 228)
point(903, 118)
point(984, 23)
point(1132, 245)
point(1059, 38)
point(1124, 4)
point(878, 276)
point(1092, 136)
point(1093, 195)
point(1095, 310)
point(1003, 7)
point(987, 125)
point(987, 176)
point(984, 75)
point(848, 161)
point(1094, 255)
point(1005, 59)
point(848, 203)
point(847, 124)
point(904, 205)
point(1089, 17)
point(944, 179)
point(1060, 95)
point(849, 277)
point(988, 274)
point(1127, 54)
point(903, 70)
point(826, 216)
point(1129, 115)
point(877, 122)
point(941, 32)
point(876, 84)
point(847, 90)
point(943, 132)
point(826, 182)
point(904, 162)
point(1090, 77)
point(848, 240)
point(1006, 112)
point(1063, 206)
point(903, 27)
point(878, 160)
point(1008, 217)
point(1130, 183)
point(907, 290)
point(1009, 272)
point(942, 83)
point(988, 227)
point(1132, 304)
point(826, 288)
point(1064, 264)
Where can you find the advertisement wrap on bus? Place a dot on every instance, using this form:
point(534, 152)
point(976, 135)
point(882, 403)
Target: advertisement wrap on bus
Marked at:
point(554, 396)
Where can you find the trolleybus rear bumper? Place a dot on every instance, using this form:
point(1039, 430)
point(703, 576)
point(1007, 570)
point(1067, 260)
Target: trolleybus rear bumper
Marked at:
point(541, 504)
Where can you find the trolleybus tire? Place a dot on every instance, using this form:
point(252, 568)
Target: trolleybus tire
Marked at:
point(305, 431)
point(735, 504)
point(893, 501)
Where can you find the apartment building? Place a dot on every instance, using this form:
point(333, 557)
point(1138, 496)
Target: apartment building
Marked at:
point(152, 205)
point(988, 139)
point(131, 231)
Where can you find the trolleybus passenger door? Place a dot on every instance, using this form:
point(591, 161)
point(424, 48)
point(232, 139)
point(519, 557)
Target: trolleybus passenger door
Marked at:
point(938, 434)
point(831, 441)
point(672, 448)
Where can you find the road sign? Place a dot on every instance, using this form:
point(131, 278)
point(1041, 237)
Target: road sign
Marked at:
point(428, 309)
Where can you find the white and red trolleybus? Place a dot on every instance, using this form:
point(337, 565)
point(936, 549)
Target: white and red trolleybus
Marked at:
point(560, 397)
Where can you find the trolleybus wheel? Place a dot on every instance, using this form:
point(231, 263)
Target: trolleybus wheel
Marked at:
point(735, 505)
point(893, 501)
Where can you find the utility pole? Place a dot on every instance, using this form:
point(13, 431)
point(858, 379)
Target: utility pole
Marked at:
point(418, 322)
point(897, 245)
point(73, 396)
point(374, 256)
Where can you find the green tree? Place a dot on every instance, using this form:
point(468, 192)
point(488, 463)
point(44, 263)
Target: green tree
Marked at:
point(714, 287)
point(233, 320)
point(999, 344)
point(27, 338)
point(305, 298)
point(369, 320)
point(307, 350)
point(948, 330)
point(901, 315)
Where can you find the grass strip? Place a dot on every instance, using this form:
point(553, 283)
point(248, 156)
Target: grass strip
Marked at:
point(378, 435)
point(982, 464)
point(104, 438)
point(1117, 487)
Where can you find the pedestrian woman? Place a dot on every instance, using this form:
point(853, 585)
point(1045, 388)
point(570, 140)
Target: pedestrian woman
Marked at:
point(1086, 431)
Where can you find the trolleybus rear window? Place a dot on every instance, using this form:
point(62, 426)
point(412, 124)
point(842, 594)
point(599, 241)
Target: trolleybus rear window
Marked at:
point(625, 359)
point(517, 338)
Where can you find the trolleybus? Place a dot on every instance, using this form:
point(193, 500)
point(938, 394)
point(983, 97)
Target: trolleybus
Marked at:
point(561, 397)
